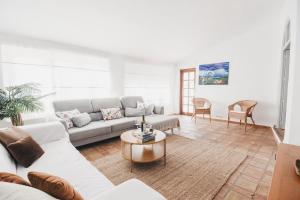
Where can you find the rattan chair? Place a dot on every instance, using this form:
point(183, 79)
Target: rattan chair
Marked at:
point(201, 106)
point(245, 110)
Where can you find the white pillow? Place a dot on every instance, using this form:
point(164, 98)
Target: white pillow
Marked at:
point(67, 116)
point(12, 191)
point(147, 108)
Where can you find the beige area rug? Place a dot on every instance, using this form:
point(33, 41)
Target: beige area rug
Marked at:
point(195, 169)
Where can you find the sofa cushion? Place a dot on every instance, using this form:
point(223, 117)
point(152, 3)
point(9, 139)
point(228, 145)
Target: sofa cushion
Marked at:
point(134, 112)
point(121, 124)
point(96, 116)
point(104, 103)
point(11, 191)
point(93, 129)
point(81, 120)
point(131, 101)
point(83, 105)
point(62, 159)
point(163, 122)
point(7, 163)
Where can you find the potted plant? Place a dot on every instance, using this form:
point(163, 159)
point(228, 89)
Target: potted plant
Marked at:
point(15, 100)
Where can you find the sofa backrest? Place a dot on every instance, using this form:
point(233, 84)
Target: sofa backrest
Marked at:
point(47, 132)
point(83, 105)
point(131, 101)
point(102, 103)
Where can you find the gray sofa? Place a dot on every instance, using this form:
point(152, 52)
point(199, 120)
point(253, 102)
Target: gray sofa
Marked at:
point(99, 129)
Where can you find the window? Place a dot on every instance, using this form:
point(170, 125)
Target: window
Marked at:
point(153, 82)
point(67, 74)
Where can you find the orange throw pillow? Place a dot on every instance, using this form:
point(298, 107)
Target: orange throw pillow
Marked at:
point(13, 178)
point(53, 185)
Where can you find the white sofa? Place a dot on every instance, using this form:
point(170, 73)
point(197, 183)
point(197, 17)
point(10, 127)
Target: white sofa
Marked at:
point(61, 158)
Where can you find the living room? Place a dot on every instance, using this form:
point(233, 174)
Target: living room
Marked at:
point(149, 99)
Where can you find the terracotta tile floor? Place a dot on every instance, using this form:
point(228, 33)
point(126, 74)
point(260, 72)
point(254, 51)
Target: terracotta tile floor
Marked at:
point(253, 177)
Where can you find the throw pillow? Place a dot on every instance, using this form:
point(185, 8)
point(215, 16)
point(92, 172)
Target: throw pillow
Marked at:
point(11, 135)
point(13, 178)
point(148, 108)
point(67, 116)
point(11, 191)
point(25, 151)
point(53, 185)
point(140, 105)
point(21, 146)
point(81, 120)
point(134, 112)
point(111, 113)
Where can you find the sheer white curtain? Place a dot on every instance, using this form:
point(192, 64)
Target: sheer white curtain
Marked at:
point(153, 82)
point(69, 75)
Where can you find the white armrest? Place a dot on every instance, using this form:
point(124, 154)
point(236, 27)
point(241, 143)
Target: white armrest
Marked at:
point(132, 189)
point(46, 132)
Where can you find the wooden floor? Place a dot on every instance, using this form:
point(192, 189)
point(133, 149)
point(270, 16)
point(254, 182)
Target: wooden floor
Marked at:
point(251, 180)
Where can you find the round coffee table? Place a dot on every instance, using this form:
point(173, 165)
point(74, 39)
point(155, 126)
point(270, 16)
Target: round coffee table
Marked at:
point(136, 151)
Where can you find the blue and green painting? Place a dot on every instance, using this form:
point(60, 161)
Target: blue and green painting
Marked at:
point(214, 74)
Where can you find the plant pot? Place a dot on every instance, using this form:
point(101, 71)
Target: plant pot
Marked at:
point(16, 120)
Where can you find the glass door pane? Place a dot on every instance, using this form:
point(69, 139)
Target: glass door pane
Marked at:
point(187, 81)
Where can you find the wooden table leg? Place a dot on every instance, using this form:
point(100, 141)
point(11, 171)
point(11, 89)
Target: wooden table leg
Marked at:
point(165, 152)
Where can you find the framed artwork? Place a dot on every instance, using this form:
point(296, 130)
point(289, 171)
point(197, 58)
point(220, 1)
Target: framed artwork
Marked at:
point(214, 74)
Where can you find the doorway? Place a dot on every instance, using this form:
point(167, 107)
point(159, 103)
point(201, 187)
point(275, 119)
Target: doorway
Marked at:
point(284, 77)
point(187, 90)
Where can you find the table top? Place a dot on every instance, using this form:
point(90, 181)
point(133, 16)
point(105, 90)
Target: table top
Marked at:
point(285, 182)
point(129, 137)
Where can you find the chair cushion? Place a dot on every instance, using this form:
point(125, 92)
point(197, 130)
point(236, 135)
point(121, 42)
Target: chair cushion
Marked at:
point(104, 103)
point(131, 101)
point(53, 185)
point(93, 129)
point(237, 114)
point(121, 124)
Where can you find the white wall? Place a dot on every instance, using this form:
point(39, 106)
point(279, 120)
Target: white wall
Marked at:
point(253, 74)
point(291, 12)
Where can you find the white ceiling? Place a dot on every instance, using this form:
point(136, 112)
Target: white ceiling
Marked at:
point(158, 30)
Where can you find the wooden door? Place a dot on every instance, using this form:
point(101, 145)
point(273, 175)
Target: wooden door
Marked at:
point(187, 90)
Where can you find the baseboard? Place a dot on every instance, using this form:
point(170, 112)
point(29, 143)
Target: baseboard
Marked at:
point(225, 120)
